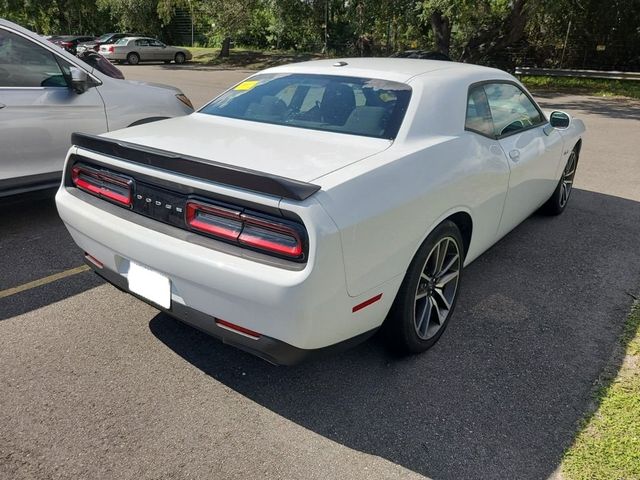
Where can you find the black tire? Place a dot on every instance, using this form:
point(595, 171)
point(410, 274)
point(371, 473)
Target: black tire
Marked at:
point(559, 199)
point(179, 58)
point(401, 325)
point(133, 59)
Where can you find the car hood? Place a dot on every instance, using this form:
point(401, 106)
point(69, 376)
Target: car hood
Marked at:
point(295, 153)
point(152, 84)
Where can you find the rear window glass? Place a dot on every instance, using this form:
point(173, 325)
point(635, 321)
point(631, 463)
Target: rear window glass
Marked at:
point(357, 106)
point(122, 41)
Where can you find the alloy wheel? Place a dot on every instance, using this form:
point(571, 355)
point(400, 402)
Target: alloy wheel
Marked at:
point(437, 288)
point(567, 179)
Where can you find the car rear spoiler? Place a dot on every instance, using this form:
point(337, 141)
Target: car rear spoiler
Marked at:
point(197, 167)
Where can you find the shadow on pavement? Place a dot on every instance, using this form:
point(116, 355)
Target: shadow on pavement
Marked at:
point(35, 244)
point(501, 394)
point(612, 107)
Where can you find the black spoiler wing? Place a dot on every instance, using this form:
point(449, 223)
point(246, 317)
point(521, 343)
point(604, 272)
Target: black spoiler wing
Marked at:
point(197, 167)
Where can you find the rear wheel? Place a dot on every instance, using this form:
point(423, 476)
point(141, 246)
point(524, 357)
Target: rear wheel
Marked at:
point(560, 197)
point(179, 58)
point(429, 291)
point(133, 59)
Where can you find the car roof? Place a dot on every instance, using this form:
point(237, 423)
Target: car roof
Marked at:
point(395, 69)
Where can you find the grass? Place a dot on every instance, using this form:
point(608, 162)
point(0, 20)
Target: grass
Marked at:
point(257, 60)
point(249, 59)
point(591, 86)
point(608, 443)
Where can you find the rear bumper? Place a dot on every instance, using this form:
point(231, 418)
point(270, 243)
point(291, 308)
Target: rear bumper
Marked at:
point(267, 348)
point(298, 312)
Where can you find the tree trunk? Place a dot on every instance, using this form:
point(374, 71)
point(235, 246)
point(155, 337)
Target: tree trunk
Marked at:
point(441, 27)
point(226, 47)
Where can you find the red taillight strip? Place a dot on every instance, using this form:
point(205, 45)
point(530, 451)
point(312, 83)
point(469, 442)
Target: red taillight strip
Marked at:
point(263, 243)
point(248, 230)
point(80, 171)
point(193, 221)
point(237, 329)
point(366, 303)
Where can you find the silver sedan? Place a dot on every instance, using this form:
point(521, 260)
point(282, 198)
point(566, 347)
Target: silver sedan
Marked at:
point(134, 50)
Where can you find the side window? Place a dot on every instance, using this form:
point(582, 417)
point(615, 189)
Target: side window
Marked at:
point(26, 64)
point(511, 109)
point(142, 42)
point(478, 113)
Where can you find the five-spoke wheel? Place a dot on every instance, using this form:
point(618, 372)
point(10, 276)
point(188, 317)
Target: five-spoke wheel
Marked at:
point(428, 294)
point(437, 288)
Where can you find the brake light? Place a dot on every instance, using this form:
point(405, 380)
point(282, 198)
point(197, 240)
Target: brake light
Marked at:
point(102, 184)
point(269, 235)
point(217, 221)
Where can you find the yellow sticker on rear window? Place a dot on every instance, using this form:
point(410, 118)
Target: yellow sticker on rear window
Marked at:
point(248, 85)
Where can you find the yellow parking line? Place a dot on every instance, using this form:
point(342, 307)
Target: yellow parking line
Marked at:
point(43, 281)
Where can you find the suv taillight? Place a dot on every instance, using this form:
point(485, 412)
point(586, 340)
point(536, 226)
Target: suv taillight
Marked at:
point(269, 235)
point(117, 188)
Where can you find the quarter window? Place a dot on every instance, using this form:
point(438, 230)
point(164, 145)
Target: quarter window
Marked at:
point(511, 108)
point(25, 64)
point(478, 112)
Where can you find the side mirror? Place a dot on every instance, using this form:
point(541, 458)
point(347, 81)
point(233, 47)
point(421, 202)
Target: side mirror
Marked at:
point(79, 80)
point(559, 120)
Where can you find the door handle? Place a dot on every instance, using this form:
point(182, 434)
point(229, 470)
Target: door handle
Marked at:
point(515, 155)
point(2, 105)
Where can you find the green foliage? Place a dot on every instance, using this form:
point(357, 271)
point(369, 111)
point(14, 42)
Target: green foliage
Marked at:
point(503, 33)
point(591, 86)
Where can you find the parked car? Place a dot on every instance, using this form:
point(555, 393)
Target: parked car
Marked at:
point(106, 39)
point(46, 94)
point(302, 207)
point(134, 50)
point(70, 42)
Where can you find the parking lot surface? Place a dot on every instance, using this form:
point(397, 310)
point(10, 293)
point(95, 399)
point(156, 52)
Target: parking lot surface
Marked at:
point(96, 384)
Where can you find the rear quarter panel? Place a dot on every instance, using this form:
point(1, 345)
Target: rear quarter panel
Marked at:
point(386, 205)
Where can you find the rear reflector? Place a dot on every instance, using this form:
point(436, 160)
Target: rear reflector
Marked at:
point(366, 303)
point(268, 235)
point(93, 260)
point(112, 187)
point(237, 329)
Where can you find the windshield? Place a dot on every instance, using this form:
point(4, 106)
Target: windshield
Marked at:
point(357, 106)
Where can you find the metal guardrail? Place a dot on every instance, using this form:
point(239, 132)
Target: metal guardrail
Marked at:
point(557, 72)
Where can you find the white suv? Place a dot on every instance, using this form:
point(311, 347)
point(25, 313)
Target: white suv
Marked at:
point(46, 94)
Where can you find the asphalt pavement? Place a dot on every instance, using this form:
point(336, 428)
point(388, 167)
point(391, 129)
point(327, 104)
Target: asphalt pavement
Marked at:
point(96, 384)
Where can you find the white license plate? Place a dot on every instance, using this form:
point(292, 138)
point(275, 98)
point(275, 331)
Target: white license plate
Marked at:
point(149, 284)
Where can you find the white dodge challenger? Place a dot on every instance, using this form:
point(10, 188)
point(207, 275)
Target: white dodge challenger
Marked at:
point(313, 203)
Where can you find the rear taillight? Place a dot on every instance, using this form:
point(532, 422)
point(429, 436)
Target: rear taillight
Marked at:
point(109, 186)
point(272, 236)
point(269, 235)
point(218, 221)
point(111, 49)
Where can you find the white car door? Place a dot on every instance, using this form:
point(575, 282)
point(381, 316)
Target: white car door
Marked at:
point(533, 155)
point(39, 112)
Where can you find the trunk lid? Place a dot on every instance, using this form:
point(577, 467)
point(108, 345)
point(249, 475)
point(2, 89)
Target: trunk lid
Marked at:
point(290, 152)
